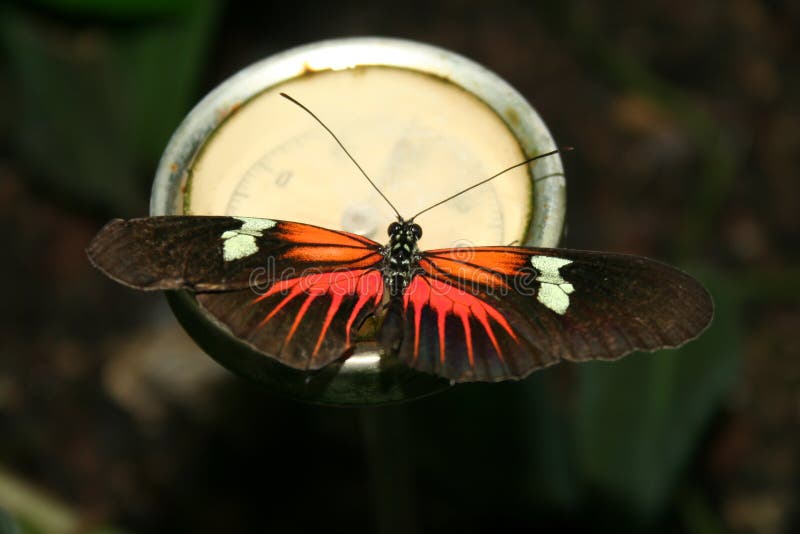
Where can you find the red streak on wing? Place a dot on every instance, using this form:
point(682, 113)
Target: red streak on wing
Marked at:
point(480, 315)
point(418, 304)
point(299, 317)
point(338, 284)
point(444, 298)
point(463, 272)
point(504, 260)
point(463, 312)
point(305, 233)
point(370, 285)
point(441, 314)
point(336, 302)
point(352, 256)
point(280, 286)
point(296, 289)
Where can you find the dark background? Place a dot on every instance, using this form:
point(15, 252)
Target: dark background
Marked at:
point(685, 117)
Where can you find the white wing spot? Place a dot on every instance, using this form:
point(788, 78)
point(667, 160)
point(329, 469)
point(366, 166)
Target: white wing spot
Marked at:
point(241, 243)
point(554, 290)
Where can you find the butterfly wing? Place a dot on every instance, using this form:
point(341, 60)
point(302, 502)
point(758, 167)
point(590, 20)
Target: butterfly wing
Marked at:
point(295, 292)
point(220, 253)
point(494, 313)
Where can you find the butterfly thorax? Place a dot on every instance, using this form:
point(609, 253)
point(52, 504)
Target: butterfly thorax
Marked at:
point(401, 256)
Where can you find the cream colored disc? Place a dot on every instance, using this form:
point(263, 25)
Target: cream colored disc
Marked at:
point(420, 138)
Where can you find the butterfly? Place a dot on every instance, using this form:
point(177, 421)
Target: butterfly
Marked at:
point(300, 293)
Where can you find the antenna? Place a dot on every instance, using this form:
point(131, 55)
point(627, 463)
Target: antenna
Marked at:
point(534, 158)
point(287, 97)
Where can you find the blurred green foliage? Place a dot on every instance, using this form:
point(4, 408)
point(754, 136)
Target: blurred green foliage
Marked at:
point(94, 102)
point(122, 9)
point(7, 523)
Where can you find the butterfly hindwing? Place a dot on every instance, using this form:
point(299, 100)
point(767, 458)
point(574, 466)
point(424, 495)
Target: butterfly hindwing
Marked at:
point(305, 322)
point(453, 332)
point(494, 313)
point(293, 291)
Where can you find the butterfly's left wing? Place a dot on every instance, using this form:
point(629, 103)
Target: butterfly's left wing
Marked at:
point(494, 313)
point(292, 291)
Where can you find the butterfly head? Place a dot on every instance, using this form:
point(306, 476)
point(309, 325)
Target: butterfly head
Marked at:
point(405, 231)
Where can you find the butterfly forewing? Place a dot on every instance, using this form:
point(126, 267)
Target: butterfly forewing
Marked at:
point(208, 253)
point(295, 292)
point(500, 312)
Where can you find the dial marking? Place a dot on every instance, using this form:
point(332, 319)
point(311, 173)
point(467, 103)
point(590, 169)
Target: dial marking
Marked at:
point(241, 243)
point(554, 291)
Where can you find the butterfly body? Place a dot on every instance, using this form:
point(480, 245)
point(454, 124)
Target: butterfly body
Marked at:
point(402, 256)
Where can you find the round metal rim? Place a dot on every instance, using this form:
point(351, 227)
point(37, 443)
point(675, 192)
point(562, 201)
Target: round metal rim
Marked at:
point(364, 378)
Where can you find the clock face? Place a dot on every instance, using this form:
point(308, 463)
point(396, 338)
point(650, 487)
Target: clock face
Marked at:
point(420, 138)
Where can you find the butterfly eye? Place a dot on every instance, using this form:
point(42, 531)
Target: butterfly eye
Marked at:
point(393, 228)
point(416, 230)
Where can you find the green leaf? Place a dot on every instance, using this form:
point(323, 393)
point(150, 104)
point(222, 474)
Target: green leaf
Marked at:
point(92, 107)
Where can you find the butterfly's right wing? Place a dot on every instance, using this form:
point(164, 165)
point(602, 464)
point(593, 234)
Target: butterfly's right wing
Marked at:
point(494, 313)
